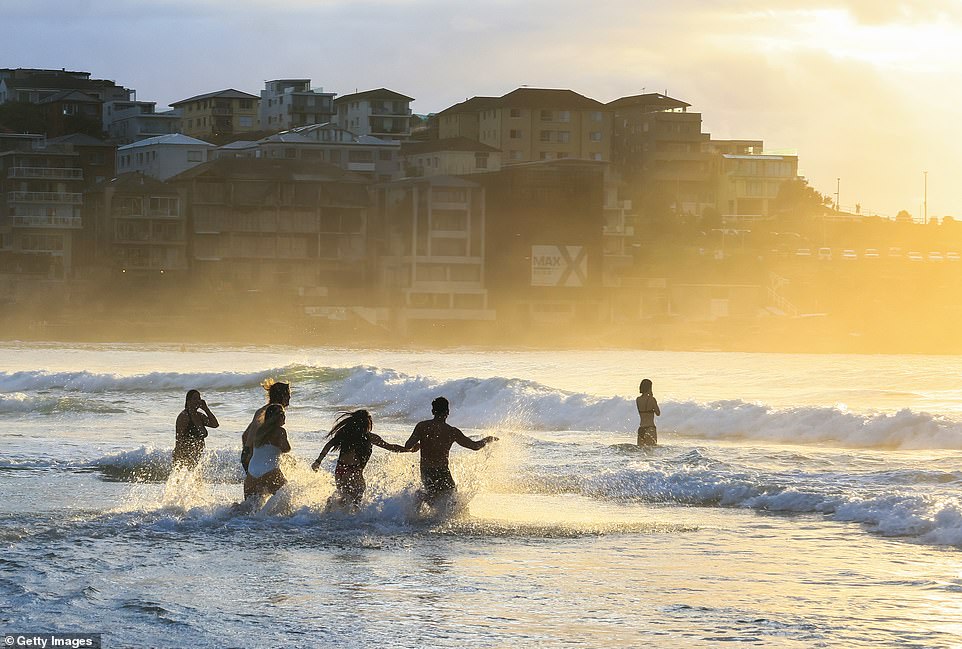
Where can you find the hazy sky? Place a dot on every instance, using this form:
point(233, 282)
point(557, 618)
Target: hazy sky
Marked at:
point(864, 90)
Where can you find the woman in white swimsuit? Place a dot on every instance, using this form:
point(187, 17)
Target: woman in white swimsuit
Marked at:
point(264, 475)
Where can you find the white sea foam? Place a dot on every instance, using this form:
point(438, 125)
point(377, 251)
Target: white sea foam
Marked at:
point(501, 402)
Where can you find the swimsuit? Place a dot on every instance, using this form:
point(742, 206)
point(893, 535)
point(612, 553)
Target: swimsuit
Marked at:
point(647, 436)
point(190, 444)
point(266, 458)
point(437, 479)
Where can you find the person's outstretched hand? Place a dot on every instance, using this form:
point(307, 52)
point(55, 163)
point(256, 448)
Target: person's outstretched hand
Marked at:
point(316, 465)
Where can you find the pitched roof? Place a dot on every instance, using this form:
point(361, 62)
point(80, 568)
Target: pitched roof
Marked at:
point(472, 105)
point(533, 98)
point(172, 138)
point(447, 144)
point(69, 95)
point(229, 93)
point(653, 101)
point(138, 182)
point(269, 169)
point(380, 93)
point(47, 81)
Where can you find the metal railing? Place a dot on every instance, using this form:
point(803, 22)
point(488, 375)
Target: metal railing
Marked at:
point(70, 198)
point(46, 221)
point(52, 173)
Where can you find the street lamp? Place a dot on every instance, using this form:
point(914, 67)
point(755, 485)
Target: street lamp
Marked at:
point(925, 197)
point(838, 183)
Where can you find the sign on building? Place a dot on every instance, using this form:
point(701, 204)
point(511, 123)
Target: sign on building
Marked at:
point(559, 266)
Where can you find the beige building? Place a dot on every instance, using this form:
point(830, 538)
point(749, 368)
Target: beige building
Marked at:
point(455, 156)
point(532, 124)
point(747, 185)
point(218, 115)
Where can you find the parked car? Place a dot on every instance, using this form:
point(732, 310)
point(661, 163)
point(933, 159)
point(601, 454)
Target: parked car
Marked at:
point(870, 253)
point(952, 255)
point(803, 252)
point(915, 255)
point(825, 254)
point(936, 256)
point(848, 253)
point(895, 252)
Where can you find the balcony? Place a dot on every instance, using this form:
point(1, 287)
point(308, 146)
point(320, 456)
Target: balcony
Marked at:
point(47, 173)
point(68, 198)
point(72, 222)
point(381, 110)
point(225, 112)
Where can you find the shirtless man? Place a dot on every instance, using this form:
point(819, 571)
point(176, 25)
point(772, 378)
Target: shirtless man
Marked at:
point(434, 438)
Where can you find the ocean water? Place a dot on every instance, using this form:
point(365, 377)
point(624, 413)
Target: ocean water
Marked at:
point(794, 501)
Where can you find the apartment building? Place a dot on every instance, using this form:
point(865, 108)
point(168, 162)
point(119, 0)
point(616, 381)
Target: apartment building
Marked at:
point(140, 227)
point(126, 122)
point(31, 85)
point(533, 124)
point(96, 157)
point(660, 150)
point(164, 156)
point(383, 113)
point(747, 184)
point(448, 157)
point(544, 242)
point(71, 111)
point(288, 103)
point(431, 262)
point(41, 196)
point(296, 229)
point(218, 115)
point(367, 156)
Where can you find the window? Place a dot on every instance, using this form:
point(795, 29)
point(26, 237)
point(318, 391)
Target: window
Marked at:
point(595, 136)
point(386, 155)
point(564, 137)
point(195, 156)
point(515, 112)
point(545, 136)
point(546, 116)
point(564, 116)
point(247, 104)
point(481, 160)
point(246, 121)
point(596, 116)
point(514, 155)
point(596, 156)
point(514, 134)
point(562, 154)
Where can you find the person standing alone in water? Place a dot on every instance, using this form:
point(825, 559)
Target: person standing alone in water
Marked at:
point(435, 437)
point(647, 409)
point(191, 429)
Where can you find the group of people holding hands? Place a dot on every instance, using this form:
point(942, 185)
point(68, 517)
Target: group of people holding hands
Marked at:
point(265, 441)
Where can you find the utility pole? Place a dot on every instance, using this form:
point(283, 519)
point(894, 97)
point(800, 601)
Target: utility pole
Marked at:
point(838, 184)
point(925, 197)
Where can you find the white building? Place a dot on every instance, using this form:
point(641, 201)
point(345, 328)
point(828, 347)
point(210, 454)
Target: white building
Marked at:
point(382, 113)
point(162, 157)
point(287, 103)
point(126, 122)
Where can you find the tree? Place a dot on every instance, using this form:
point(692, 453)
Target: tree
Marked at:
point(903, 217)
point(796, 199)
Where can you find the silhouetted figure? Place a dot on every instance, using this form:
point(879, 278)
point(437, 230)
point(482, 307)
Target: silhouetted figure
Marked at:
point(264, 475)
point(647, 409)
point(353, 437)
point(191, 429)
point(434, 438)
point(277, 393)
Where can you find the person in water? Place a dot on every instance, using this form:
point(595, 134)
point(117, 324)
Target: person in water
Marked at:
point(352, 436)
point(191, 429)
point(434, 437)
point(264, 475)
point(277, 393)
point(647, 409)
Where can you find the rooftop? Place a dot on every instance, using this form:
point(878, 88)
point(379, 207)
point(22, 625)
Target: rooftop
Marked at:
point(447, 144)
point(535, 98)
point(173, 138)
point(380, 93)
point(229, 93)
point(651, 101)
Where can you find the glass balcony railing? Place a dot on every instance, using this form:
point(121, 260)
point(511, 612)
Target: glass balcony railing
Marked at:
point(69, 198)
point(50, 173)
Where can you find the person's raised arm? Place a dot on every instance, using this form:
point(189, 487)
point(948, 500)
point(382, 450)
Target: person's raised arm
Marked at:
point(211, 420)
point(467, 442)
point(320, 458)
point(396, 448)
point(657, 409)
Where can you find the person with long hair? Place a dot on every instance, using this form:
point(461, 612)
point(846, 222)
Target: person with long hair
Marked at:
point(352, 436)
point(264, 475)
point(277, 393)
point(191, 430)
point(647, 409)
